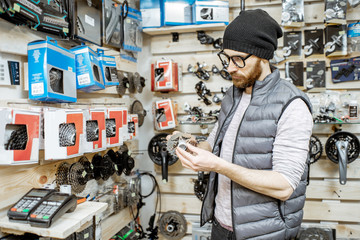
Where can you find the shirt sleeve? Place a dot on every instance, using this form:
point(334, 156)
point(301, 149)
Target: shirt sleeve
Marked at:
point(211, 137)
point(291, 143)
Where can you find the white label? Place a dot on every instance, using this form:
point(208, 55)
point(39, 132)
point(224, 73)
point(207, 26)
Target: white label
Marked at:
point(89, 20)
point(37, 88)
point(84, 79)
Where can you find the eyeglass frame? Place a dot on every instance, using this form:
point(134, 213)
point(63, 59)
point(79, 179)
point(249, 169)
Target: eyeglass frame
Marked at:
point(231, 58)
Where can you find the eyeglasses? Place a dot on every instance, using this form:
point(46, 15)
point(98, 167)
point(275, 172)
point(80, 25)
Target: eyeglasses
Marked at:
point(239, 61)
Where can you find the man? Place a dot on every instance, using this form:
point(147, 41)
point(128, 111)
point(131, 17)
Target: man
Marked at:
point(260, 143)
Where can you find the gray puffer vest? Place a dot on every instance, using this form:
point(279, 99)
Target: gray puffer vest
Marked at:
point(254, 215)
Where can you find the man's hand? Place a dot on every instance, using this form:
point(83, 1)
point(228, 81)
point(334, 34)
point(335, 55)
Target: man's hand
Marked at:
point(199, 159)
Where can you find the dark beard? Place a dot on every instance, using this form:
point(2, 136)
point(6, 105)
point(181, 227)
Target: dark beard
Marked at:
point(254, 75)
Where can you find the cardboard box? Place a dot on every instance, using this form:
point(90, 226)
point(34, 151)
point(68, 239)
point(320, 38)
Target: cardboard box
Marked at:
point(64, 133)
point(164, 114)
point(95, 130)
point(88, 70)
point(108, 69)
point(124, 130)
point(164, 76)
point(133, 126)
point(19, 136)
point(114, 116)
point(178, 12)
point(151, 11)
point(210, 12)
point(51, 71)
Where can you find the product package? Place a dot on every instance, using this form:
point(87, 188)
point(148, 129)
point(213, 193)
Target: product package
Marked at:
point(335, 11)
point(9, 70)
point(315, 74)
point(294, 72)
point(129, 55)
point(178, 12)
point(111, 23)
point(205, 11)
point(64, 133)
point(165, 113)
point(353, 35)
point(51, 71)
point(133, 126)
point(114, 126)
point(292, 13)
point(88, 70)
point(292, 44)
point(335, 40)
point(314, 42)
point(151, 12)
point(108, 68)
point(125, 130)
point(344, 70)
point(86, 19)
point(19, 141)
point(95, 130)
point(48, 16)
point(132, 30)
point(164, 76)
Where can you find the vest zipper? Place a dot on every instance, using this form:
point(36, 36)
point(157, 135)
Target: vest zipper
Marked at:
point(232, 161)
point(217, 138)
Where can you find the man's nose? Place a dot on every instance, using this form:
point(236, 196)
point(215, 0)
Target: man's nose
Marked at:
point(232, 68)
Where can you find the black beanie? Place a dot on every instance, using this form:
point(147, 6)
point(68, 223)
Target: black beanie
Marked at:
point(253, 31)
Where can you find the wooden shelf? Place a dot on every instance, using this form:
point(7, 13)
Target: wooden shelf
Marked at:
point(63, 227)
point(185, 29)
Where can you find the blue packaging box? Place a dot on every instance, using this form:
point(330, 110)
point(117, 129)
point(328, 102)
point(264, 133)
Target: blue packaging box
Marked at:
point(108, 69)
point(88, 69)
point(151, 12)
point(51, 71)
point(205, 11)
point(178, 12)
point(133, 39)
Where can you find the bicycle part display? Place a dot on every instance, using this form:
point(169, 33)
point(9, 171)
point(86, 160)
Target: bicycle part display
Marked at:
point(178, 140)
point(172, 225)
point(200, 185)
point(137, 108)
point(157, 150)
point(342, 148)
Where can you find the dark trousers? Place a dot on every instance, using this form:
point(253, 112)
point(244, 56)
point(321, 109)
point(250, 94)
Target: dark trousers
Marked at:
point(220, 233)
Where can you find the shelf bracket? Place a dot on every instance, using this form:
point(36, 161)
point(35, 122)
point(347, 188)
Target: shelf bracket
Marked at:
point(175, 36)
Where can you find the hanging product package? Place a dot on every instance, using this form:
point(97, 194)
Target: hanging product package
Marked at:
point(95, 130)
point(165, 76)
point(335, 11)
point(88, 70)
point(151, 13)
point(51, 71)
point(292, 13)
point(210, 12)
point(314, 42)
point(315, 74)
point(108, 68)
point(49, 16)
point(294, 72)
point(85, 17)
point(335, 40)
point(292, 44)
point(353, 35)
point(132, 30)
point(111, 23)
point(19, 136)
point(165, 112)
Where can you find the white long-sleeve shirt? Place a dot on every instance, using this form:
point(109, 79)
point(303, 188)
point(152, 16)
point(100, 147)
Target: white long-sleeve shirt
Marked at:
point(290, 150)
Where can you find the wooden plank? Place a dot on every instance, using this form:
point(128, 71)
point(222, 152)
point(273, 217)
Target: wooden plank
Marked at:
point(185, 29)
point(115, 223)
point(63, 227)
point(181, 203)
point(187, 43)
point(319, 189)
point(331, 211)
point(177, 184)
point(214, 84)
point(328, 169)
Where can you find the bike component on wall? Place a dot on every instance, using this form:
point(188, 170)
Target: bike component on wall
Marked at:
point(157, 150)
point(202, 91)
point(18, 138)
point(315, 152)
point(103, 167)
point(225, 74)
point(92, 131)
point(88, 168)
point(342, 148)
point(67, 134)
point(173, 225)
point(128, 162)
point(110, 127)
point(77, 177)
point(61, 175)
point(314, 233)
point(131, 83)
point(201, 73)
point(137, 108)
point(200, 185)
point(215, 69)
point(123, 83)
point(178, 140)
point(139, 82)
point(117, 160)
point(56, 80)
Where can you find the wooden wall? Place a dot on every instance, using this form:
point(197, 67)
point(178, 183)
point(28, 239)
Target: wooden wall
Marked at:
point(15, 181)
point(328, 203)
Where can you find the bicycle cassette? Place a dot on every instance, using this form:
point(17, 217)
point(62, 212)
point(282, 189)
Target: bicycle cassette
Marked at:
point(316, 149)
point(178, 140)
point(314, 234)
point(172, 225)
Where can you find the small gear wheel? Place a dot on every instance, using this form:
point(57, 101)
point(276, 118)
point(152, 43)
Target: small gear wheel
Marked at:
point(178, 140)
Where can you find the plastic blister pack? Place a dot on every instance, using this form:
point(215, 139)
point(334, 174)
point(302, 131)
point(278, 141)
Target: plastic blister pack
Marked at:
point(292, 13)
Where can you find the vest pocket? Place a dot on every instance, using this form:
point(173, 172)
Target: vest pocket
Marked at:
point(280, 211)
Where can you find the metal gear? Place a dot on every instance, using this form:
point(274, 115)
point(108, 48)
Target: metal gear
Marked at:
point(77, 177)
point(110, 128)
point(172, 225)
point(314, 234)
point(67, 134)
point(178, 140)
point(18, 139)
point(92, 131)
point(316, 149)
point(61, 175)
